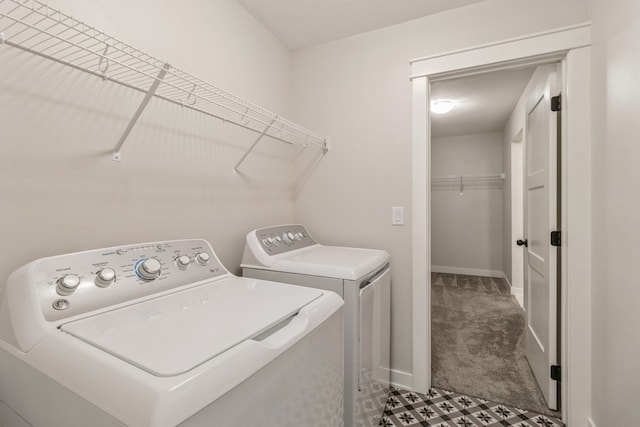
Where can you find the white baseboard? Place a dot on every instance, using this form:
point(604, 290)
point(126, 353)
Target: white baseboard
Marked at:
point(467, 271)
point(400, 379)
point(504, 276)
point(518, 293)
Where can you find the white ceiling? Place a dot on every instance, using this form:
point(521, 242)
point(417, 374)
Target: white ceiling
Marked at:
point(484, 102)
point(304, 23)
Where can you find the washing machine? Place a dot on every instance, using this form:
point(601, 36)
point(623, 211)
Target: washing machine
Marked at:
point(161, 334)
point(288, 253)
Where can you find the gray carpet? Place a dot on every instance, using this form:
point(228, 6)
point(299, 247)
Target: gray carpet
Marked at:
point(478, 342)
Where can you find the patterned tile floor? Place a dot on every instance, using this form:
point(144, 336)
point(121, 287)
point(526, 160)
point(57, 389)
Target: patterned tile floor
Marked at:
point(442, 408)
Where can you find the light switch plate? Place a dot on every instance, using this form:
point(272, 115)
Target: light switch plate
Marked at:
point(397, 215)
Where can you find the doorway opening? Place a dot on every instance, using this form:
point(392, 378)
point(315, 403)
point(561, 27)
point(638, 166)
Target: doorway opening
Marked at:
point(478, 322)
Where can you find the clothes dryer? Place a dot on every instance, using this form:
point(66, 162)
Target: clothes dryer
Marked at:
point(161, 334)
point(287, 253)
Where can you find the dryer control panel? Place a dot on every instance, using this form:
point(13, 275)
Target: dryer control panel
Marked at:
point(73, 284)
point(283, 238)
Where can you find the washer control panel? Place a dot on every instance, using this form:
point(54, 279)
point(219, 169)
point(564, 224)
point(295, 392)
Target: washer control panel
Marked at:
point(73, 284)
point(283, 238)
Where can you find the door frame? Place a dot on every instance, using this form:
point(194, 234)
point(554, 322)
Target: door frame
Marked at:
point(518, 144)
point(571, 47)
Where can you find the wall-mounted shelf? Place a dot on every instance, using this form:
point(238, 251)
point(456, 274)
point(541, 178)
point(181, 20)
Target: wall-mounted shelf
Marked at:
point(464, 182)
point(33, 26)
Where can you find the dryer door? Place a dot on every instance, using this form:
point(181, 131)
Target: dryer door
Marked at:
point(374, 347)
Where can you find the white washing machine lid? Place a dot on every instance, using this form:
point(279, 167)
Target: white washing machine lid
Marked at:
point(331, 261)
point(175, 333)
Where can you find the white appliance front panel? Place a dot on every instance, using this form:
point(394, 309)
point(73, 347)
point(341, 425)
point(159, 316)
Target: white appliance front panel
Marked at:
point(172, 334)
point(301, 388)
point(366, 384)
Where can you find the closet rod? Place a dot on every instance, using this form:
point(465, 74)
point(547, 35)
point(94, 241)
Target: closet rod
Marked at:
point(132, 87)
point(129, 86)
point(467, 177)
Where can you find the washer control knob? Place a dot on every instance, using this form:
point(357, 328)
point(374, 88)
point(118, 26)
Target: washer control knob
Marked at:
point(61, 304)
point(277, 240)
point(203, 258)
point(183, 262)
point(266, 242)
point(105, 277)
point(67, 284)
point(299, 236)
point(148, 269)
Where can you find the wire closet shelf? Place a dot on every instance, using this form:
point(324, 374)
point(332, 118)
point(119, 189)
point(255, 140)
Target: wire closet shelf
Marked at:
point(34, 27)
point(472, 182)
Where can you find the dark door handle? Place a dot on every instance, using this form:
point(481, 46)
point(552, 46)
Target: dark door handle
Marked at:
point(524, 243)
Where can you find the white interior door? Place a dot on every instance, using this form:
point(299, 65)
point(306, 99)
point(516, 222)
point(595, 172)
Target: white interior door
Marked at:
point(541, 217)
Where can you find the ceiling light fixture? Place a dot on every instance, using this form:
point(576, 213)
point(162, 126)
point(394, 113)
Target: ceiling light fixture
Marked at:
point(442, 106)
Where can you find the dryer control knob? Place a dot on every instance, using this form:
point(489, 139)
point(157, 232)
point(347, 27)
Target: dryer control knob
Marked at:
point(67, 284)
point(148, 269)
point(183, 262)
point(299, 236)
point(105, 277)
point(203, 258)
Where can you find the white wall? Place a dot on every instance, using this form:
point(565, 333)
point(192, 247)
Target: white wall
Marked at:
point(466, 230)
point(357, 90)
point(61, 191)
point(616, 214)
point(507, 218)
point(217, 41)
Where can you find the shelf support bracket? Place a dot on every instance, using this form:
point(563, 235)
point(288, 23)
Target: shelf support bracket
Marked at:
point(235, 168)
point(326, 145)
point(136, 116)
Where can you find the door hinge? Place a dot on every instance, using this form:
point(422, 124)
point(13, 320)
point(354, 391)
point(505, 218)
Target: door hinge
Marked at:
point(555, 238)
point(555, 372)
point(556, 103)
